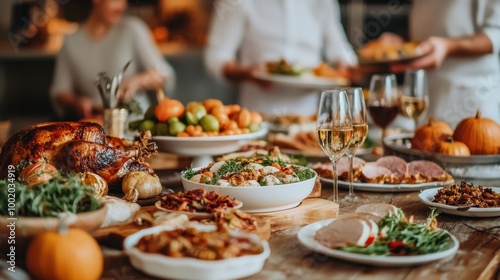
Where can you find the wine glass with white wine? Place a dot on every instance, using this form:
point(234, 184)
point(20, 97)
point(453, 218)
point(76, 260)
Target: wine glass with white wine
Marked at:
point(334, 127)
point(415, 99)
point(359, 133)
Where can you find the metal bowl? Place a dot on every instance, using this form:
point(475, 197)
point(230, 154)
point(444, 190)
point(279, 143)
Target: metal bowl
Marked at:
point(485, 168)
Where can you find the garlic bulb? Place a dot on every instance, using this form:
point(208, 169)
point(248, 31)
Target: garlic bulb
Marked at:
point(146, 184)
point(119, 211)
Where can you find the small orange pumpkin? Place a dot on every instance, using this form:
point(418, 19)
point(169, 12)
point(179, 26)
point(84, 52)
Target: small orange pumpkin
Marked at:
point(454, 148)
point(68, 254)
point(428, 136)
point(169, 108)
point(95, 181)
point(479, 134)
point(37, 173)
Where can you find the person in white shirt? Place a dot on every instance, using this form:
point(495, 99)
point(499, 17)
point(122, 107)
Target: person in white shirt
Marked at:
point(248, 34)
point(105, 42)
point(463, 64)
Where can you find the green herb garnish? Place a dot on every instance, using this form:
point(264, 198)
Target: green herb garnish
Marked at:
point(63, 193)
point(406, 238)
point(230, 166)
point(188, 173)
point(267, 160)
point(305, 173)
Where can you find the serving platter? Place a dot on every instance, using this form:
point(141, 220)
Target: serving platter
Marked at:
point(399, 144)
point(195, 215)
point(427, 197)
point(406, 58)
point(306, 238)
point(210, 145)
point(482, 168)
point(306, 80)
point(369, 187)
point(204, 148)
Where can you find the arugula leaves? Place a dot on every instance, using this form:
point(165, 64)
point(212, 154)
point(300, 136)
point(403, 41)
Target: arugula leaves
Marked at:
point(406, 238)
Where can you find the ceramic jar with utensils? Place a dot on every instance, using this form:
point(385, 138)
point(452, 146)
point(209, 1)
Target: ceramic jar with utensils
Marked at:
point(115, 119)
point(115, 122)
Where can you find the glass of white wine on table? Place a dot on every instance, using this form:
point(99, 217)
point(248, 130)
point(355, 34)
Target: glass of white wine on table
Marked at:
point(415, 99)
point(334, 127)
point(359, 133)
point(383, 101)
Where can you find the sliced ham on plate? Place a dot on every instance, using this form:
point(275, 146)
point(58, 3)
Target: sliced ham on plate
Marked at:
point(370, 218)
point(380, 209)
point(358, 228)
point(344, 232)
point(397, 166)
point(374, 173)
point(343, 168)
point(424, 171)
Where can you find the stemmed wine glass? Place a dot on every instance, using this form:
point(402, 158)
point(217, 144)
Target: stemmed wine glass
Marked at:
point(383, 103)
point(334, 128)
point(415, 98)
point(359, 132)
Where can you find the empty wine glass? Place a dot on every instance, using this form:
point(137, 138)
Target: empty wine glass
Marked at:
point(415, 99)
point(334, 127)
point(383, 103)
point(359, 132)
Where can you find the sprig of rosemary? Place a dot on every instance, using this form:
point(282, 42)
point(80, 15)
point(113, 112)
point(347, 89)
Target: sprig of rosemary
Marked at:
point(63, 193)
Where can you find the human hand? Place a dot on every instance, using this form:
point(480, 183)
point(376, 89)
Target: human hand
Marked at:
point(83, 107)
point(252, 77)
point(128, 87)
point(236, 73)
point(437, 50)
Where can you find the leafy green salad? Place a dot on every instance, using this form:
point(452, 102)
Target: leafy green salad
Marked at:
point(259, 171)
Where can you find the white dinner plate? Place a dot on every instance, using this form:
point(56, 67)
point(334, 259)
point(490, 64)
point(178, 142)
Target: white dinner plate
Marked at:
point(195, 215)
point(209, 145)
point(305, 80)
point(369, 187)
point(306, 238)
point(427, 197)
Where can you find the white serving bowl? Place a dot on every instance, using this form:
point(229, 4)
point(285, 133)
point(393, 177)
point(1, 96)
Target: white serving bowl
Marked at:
point(263, 198)
point(191, 268)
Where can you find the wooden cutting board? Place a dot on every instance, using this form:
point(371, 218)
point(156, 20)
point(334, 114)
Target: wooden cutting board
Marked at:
point(114, 236)
point(309, 211)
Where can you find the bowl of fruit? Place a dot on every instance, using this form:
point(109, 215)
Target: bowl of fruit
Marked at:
point(201, 128)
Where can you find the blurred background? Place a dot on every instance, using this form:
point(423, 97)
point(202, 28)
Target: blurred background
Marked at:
point(32, 34)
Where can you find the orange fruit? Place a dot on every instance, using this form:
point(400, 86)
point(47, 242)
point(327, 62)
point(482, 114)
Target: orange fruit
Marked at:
point(169, 108)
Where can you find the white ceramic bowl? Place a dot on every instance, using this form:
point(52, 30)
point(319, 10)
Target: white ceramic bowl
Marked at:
point(263, 198)
point(191, 268)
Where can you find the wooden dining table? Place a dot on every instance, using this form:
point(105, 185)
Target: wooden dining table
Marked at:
point(478, 256)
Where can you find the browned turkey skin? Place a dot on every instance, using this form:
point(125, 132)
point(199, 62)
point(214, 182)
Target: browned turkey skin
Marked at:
point(77, 147)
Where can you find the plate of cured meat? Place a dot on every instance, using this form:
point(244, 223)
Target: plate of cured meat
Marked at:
point(386, 174)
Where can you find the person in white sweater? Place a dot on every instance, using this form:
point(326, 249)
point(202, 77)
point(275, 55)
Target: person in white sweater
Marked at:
point(105, 42)
point(246, 35)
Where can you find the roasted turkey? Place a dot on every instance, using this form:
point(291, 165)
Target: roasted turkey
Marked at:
point(77, 147)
